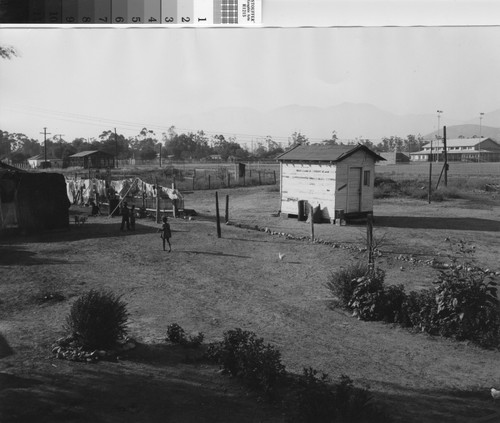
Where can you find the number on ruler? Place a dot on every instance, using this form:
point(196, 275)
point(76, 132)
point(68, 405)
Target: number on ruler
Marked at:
point(86, 19)
point(105, 19)
point(169, 19)
point(53, 17)
point(136, 19)
point(152, 19)
point(70, 19)
point(119, 19)
point(187, 19)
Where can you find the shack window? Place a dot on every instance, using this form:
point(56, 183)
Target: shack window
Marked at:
point(366, 178)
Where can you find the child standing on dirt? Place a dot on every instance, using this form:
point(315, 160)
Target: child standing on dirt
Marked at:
point(165, 233)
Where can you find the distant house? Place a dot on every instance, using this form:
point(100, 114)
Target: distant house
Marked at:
point(394, 158)
point(334, 179)
point(460, 150)
point(94, 159)
point(38, 160)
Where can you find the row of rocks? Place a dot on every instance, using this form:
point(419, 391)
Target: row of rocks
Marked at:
point(433, 262)
point(69, 348)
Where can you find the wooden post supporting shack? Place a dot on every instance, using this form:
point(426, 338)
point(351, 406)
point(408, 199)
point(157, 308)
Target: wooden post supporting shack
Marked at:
point(227, 209)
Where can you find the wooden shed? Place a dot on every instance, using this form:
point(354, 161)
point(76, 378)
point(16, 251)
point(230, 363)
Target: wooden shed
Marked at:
point(336, 180)
point(94, 159)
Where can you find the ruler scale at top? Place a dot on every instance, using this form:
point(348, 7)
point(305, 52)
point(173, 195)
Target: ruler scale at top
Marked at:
point(164, 12)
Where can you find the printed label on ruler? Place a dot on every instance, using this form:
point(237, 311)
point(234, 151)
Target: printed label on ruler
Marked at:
point(165, 12)
point(53, 11)
point(135, 11)
point(119, 11)
point(102, 11)
point(152, 11)
point(168, 11)
point(185, 11)
point(70, 11)
point(85, 11)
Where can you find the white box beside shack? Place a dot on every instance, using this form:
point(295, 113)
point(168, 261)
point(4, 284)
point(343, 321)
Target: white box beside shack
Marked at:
point(329, 177)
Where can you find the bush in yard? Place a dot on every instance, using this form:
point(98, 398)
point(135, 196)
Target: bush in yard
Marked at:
point(468, 305)
point(419, 311)
point(311, 399)
point(343, 282)
point(367, 300)
point(98, 319)
point(177, 335)
point(356, 404)
point(242, 354)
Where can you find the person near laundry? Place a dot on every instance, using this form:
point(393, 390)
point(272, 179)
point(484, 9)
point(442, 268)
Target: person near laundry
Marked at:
point(125, 212)
point(166, 234)
point(132, 217)
point(95, 211)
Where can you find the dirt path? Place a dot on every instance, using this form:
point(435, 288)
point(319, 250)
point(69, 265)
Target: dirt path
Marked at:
point(211, 285)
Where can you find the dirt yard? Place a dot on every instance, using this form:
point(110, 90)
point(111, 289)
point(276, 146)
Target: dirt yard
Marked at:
point(211, 285)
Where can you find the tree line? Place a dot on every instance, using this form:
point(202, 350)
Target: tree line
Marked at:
point(147, 145)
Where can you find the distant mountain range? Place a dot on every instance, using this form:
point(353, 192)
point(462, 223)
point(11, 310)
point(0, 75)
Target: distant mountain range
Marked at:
point(349, 120)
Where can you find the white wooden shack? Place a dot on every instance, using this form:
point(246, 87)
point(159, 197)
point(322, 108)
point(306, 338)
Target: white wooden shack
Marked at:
point(336, 180)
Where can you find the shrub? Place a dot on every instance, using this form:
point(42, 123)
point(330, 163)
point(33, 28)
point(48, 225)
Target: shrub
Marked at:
point(419, 310)
point(356, 404)
point(394, 297)
point(242, 354)
point(343, 282)
point(314, 399)
point(468, 305)
point(97, 320)
point(177, 335)
point(311, 399)
point(367, 300)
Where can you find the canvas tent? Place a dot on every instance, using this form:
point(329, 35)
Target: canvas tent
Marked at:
point(31, 202)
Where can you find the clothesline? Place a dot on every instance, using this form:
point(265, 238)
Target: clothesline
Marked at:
point(80, 191)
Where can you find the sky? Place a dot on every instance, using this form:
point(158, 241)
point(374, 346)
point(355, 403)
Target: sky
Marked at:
point(81, 81)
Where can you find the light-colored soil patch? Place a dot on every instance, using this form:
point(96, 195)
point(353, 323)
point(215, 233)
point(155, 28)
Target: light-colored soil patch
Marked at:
point(211, 285)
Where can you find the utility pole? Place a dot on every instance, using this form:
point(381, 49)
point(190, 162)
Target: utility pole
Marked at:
point(116, 149)
point(45, 133)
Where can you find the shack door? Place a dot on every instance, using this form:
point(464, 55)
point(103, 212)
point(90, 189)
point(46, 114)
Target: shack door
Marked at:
point(354, 190)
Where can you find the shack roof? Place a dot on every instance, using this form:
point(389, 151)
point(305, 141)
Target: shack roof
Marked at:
point(89, 153)
point(324, 153)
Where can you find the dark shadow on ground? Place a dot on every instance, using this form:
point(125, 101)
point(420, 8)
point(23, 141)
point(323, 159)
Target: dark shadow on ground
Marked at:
point(5, 351)
point(79, 232)
point(10, 255)
point(214, 254)
point(453, 223)
point(131, 391)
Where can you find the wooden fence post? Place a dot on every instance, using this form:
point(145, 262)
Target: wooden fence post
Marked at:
point(208, 181)
point(194, 177)
point(311, 218)
point(228, 180)
point(260, 182)
point(274, 174)
point(217, 214)
point(157, 201)
point(369, 239)
point(227, 209)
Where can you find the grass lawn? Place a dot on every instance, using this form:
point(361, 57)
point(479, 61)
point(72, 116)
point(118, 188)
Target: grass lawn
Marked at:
point(211, 285)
